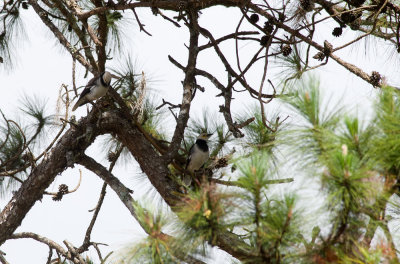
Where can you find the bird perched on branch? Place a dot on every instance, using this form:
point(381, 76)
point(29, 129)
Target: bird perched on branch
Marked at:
point(95, 88)
point(198, 155)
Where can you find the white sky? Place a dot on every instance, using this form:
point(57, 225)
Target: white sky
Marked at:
point(42, 68)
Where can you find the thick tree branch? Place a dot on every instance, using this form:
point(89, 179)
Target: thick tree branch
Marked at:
point(165, 5)
point(74, 141)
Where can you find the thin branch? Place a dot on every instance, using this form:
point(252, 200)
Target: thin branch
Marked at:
point(172, 106)
point(86, 241)
point(168, 19)
point(59, 35)
point(237, 184)
point(227, 37)
point(8, 130)
point(46, 241)
point(2, 258)
point(141, 26)
point(50, 255)
point(69, 191)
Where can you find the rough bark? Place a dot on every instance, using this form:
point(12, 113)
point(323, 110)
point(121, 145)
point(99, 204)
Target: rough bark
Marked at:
point(75, 141)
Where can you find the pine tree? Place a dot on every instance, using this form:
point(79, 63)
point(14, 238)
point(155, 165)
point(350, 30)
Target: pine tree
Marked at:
point(247, 199)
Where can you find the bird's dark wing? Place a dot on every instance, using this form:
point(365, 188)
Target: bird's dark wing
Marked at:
point(190, 156)
point(85, 92)
point(92, 81)
point(88, 87)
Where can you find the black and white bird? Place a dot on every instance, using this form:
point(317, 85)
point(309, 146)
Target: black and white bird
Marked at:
point(198, 155)
point(95, 88)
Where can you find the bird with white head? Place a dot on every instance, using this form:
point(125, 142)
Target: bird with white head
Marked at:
point(96, 88)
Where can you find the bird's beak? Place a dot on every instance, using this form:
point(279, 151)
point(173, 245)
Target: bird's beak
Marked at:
point(209, 135)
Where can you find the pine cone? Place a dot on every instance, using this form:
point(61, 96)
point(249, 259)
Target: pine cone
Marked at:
point(264, 40)
point(337, 31)
point(286, 50)
point(57, 197)
point(306, 5)
point(63, 188)
point(221, 163)
point(25, 5)
point(348, 17)
point(268, 28)
point(27, 156)
point(375, 79)
point(319, 56)
point(254, 18)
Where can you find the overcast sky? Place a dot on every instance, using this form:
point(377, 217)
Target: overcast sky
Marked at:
point(41, 69)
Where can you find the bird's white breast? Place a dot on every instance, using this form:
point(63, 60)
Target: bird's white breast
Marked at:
point(96, 92)
point(197, 159)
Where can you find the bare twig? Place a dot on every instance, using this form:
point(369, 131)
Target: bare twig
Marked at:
point(86, 241)
point(69, 191)
point(141, 26)
point(172, 106)
point(237, 184)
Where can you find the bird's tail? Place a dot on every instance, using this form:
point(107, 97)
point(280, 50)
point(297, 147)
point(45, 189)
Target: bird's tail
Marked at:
point(77, 104)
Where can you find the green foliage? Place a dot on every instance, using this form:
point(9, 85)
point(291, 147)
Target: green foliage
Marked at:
point(347, 181)
point(116, 24)
point(156, 247)
point(258, 136)
point(113, 17)
point(306, 101)
point(364, 255)
point(356, 137)
point(12, 156)
point(128, 80)
point(11, 31)
point(272, 221)
point(315, 127)
point(387, 145)
point(35, 108)
point(291, 66)
point(18, 142)
point(255, 172)
point(204, 212)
